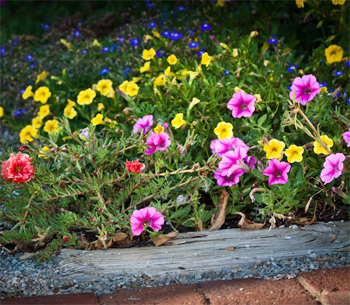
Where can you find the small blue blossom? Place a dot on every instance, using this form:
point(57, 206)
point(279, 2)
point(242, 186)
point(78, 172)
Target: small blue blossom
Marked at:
point(348, 101)
point(120, 39)
point(174, 14)
point(226, 72)
point(15, 42)
point(160, 53)
point(330, 90)
point(347, 64)
point(150, 5)
point(105, 50)
point(80, 24)
point(83, 52)
point(29, 57)
point(165, 13)
point(323, 85)
point(321, 62)
point(90, 109)
point(201, 52)
point(104, 71)
point(165, 34)
point(338, 73)
point(21, 91)
point(112, 48)
point(289, 88)
point(161, 22)
point(152, 25)
point(2, 51)
point(126, 71)
point(190, 31)
point(194, 45)
point(181, 8)
point(175, 35)
point(205, 27)
point(292, 67)
point(32, 66)
point(337, 94)
point(273, 40)
point(46, 27)
point(75, 33)
point(18, 112)
point(134, 42)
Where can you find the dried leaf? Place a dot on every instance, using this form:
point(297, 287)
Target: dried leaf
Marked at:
point(200, 225)
point(218, 218)
point(272, 221)
point(230, 248)
point(334, 238)
point(304, 220)
point(28, 255)
point(244, 223)
point(121, 239)
point(83, 243)
point(161, 239)
point(320, 259)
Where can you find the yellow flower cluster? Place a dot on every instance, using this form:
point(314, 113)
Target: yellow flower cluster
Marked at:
point(129, 88)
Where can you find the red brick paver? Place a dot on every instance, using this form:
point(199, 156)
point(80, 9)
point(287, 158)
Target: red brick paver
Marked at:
point(329, 286)
point(164, 295)
point(88, 298)
point(256, 291)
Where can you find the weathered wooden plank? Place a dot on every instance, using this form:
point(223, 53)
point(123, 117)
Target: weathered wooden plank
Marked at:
point(205, 251)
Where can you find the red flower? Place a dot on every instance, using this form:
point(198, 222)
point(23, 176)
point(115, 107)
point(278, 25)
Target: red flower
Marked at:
point(66, 239)
point(135, 166)
point(23, 148)
point(18, 168)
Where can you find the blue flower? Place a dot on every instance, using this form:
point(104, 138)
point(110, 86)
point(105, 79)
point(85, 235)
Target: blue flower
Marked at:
point(21, 91)
point(29, 57)
point(338, 73)
point(205, 27)
point(190, 32)
point(165, 34)
point(152, 25)
point(174, 14)
point(321, 61)
point(194, 45)
point(150, 5)
point(175, 35)
point(90, 108)
point(181, 8)
point(201, 52)
point(105, 50)
point(289, 87)
point(323, 85)
point(134, 42)
point(161, 22)
point(2, 51)
point(46, 27)
point(32, 66)
point(331, 90)
point(83, 52)
point(120, 39)
point(347, 64)
point(75, 33)
point(273, 40)
point(160, 53)
point(18, 112)
point(292, 68)
point(112, 48)
point(80, 24)
point(15, 42)
point(348, 101)
point(126, 71)
point(226, 72)
point(104, 71)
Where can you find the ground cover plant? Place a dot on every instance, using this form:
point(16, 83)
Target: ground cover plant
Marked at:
point(177, 124)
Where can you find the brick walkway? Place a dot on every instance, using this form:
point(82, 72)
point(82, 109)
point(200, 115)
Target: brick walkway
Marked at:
point(326, 287)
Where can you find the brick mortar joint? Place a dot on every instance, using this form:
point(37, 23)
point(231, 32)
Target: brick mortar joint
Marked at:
point(205, 296)
point(312, 291)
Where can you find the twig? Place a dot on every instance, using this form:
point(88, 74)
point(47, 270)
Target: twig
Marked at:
point(26, 213)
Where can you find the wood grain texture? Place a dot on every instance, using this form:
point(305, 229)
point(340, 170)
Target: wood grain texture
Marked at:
point(204, 251)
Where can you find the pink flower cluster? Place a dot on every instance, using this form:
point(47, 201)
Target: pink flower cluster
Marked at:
point(332, 168)
point(157, 142)
point(147, 217)
point(234, 162)
point(305, 89)
point(143, 124)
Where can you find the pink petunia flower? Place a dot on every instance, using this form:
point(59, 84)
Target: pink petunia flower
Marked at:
point(143, 124)
point(18, 168)
point(232, 160)
point(346, 137)
point(305, 89)
point(241, 104)
point(277, 172)
point(224, 180)
point(332, 167)
point(221, 147)
point(147, 217)
point(157, 142)
point(250, 161)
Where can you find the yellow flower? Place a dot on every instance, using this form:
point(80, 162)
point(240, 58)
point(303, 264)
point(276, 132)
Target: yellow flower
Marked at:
point(41, 76)
point(27, 134)
point(85, 97)
point(69, 112)
point(37, 122)
point(42, 95)
point(1, 112)
point(184, 72)
point(334, 53)
point(206, 59)
point(145, 67)
point(43, 152)
point(294, 153)
point(104, 86)
point(51, 126)
point(318, 149)
point(98, 119)
point(156, 34)
point(172, 60)
point(159, 81)
point(66, 138)
point(136, 79)
point(323, 89)
point(235, 53)
point(167, 72)
point(44, 111)
point(258, 98)
point(111, 94)
point(111, 123)
point(224, 130)
point(177, 122)
point(338, 2)
point(236, 89)
point(301, 71)
point(148, 54)
point(220, 3)
point(123, 86)
point(194, 102)
point(95, 43)
point(192, 75)
point(100, 106)
point(156, 91)
point(300, 4)
point(132, 89)
point(274, 149)
point(27, 93)
point(266, 63)
point(253, 34)
point(147, 37)
point(159, 129)
point(70, 103)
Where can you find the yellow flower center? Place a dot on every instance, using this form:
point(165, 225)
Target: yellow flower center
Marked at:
point(18, 169)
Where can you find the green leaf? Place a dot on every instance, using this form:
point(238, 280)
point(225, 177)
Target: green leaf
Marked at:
point(262, 119)
point(319, 24)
